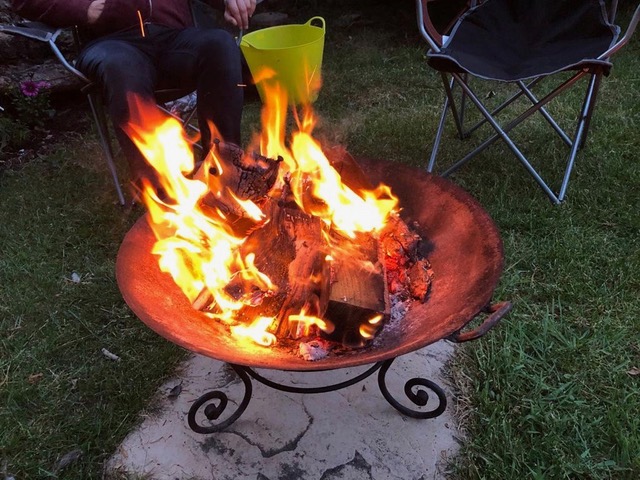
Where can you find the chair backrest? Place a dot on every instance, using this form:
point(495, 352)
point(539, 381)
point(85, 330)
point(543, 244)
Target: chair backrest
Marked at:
point(437, 17)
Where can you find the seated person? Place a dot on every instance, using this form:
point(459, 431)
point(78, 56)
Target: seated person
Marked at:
point(139, 46)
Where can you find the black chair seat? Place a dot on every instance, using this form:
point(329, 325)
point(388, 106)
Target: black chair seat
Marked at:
point(511, 40)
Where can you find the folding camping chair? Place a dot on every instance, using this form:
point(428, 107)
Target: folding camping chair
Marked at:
point(520, 42)
point(50, 35)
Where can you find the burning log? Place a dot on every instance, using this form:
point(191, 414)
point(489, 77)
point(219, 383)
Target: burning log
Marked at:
point(409, 273)
point(291, 249)
point(234, 176)
point(314, 292)
point(308, 275)
point(332, 284)
point(359, 296)
point(327, 285)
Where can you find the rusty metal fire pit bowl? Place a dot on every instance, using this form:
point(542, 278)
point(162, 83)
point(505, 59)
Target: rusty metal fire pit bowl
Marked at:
point(465, 251)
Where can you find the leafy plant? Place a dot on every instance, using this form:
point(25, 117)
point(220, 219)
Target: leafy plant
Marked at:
point(31, 103)
point(12, 133)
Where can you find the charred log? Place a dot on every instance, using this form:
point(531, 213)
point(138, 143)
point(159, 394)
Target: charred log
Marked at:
point(232, 175)
point(408, 273)
point(359, 301)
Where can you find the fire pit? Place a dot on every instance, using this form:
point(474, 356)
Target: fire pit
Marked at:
point(465, 251)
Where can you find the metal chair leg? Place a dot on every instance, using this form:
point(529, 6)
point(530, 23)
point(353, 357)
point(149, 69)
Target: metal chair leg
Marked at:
point(436, 142)
point(103, 131)
point(591, 108)
point(501, 132)
point(448, 88)
point(515, 122)
point(581, 130)
point(503, 135)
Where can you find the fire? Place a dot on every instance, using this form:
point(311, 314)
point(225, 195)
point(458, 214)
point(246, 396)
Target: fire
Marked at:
point(197, 243)
point(367, 330)
point(319, 190)
point(257, 331)
point(304, 322)
point(200, 251)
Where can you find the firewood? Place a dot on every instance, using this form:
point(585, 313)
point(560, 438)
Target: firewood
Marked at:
point(408, 273)
point(359, 301)
point(243, 175)
point(345, 282)
point(274, 251)
point(289, 249)
point(308, 274)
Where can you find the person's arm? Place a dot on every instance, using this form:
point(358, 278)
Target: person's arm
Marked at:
point(57, 13)
point(96, 7)
point(99, 15)
point(238, 12)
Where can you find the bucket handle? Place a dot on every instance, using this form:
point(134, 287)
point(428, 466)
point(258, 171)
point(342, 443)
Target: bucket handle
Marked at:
point(241, 41)
point(317, 18)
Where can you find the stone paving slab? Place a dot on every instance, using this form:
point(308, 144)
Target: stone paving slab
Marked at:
point(353, 433)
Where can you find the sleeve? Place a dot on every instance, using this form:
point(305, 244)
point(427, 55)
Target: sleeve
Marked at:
point(117, 14)
point(120, 14)
point(217, 4)
point(57, 13)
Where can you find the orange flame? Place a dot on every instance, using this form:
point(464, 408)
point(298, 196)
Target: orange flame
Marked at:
point(368, 330)
point(200, 252)
point(305, 322)
point(257, 331)
point(199, 248)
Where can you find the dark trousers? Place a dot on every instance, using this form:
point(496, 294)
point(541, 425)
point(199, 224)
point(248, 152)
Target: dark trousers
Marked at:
point(205, 60)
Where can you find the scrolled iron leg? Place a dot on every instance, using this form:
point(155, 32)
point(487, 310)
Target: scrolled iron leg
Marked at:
point(213, 411)
point(419, 397)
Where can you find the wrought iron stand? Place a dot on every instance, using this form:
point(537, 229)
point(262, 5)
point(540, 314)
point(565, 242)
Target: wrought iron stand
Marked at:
point(414, 389)
point(213, 411)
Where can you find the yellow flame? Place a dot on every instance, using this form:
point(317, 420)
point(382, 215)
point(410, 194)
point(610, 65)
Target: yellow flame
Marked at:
point(199, 251)
point(250, 208)
point(305, 322)
point(257, 331)
point(319, 190)
point(199, 247)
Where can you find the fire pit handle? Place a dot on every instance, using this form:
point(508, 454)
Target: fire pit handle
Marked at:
point(496, 311)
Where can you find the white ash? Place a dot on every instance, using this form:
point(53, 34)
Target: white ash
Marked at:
point(399, 308)
point(313, 350)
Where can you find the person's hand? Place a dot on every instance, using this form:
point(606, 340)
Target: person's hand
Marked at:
point(238, 12)
point(95, 10)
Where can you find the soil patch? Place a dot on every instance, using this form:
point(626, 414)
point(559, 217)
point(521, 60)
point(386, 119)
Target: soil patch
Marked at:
point(20, 144)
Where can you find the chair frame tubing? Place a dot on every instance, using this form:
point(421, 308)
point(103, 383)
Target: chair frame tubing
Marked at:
point(99, 116)
point(450, 81)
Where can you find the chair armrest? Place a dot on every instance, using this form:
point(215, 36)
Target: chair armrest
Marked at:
point(33, 30)
point(426, 28)
point(47, 34)
point(448, 12)
point(625, 38)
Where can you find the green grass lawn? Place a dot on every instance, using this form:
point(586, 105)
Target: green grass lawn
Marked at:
point(553, 392)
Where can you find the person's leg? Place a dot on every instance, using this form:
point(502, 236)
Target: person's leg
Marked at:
point(209, 61)
point(119, 66)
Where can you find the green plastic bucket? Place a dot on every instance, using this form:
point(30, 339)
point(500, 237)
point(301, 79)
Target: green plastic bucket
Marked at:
point(290, 55)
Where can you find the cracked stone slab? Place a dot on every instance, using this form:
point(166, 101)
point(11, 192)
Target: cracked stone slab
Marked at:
point(352, 433)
